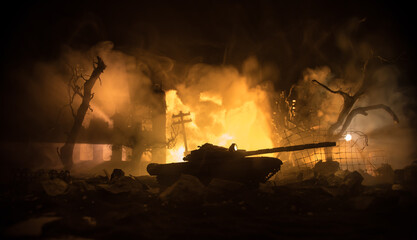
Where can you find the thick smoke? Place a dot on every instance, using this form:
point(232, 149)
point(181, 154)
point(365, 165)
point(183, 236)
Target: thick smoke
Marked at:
point(222, 60)
point(125, 88)
point(319, 107)
point(226, 106)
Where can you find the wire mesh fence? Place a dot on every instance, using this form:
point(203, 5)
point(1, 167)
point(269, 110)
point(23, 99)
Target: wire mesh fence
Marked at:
point(350, 151)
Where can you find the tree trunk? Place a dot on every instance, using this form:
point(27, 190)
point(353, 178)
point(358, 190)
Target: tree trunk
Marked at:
point(66, 151)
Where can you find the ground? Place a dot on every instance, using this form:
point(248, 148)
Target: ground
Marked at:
point(59, 206)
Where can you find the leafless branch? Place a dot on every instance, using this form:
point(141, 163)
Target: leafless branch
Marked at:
point(364, 111)
point(83, 78)
point(173, 138)
point(343, 94)
point(66, 151)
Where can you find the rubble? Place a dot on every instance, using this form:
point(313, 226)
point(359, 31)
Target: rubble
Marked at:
point(122, 184)
point(187, 189)
point(116, 174)
point(352, 182)
point(220, 188)
point(410, 177)
point(84, 186)
point(324, 169)
point(55, 187)
point(385, 174)
point(30, 228)
point(135, 207)
point(361, 202)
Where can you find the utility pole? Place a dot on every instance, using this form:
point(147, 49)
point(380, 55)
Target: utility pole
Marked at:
point(182, 121)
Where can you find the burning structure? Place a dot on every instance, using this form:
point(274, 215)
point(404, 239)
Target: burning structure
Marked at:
point(175, 75)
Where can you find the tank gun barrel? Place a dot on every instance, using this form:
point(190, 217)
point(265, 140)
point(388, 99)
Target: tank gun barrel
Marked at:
point(290, 148)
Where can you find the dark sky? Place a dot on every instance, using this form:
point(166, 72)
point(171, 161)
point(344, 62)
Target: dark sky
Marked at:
point(188, 29)
point(185, 30)
point(285, 34)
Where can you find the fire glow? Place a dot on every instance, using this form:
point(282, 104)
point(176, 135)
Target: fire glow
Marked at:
point(221, 115)
point(348, 137)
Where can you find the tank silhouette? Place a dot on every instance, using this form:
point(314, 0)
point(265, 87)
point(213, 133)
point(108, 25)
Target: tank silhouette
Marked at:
point(210, 161)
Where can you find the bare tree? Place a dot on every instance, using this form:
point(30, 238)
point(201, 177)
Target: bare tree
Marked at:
point(346, 115)
point(84, 91)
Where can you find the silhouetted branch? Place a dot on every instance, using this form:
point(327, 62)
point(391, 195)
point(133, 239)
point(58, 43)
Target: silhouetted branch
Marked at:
point(173, 139)
point(364, 111)
point(66, 151)
point(343, 94)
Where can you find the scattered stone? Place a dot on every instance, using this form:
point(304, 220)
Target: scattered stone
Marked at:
point(90, 221)
point(55, 187)
point(368, 180)
point(307, 174)
point(221, 186)
point(385, 174)
point(65, 175)
point(29, 228)
point(83, 186)
point(352, 182)
point(187, 189)
point(149, 181)
point(341, 173)
point(410, 177)
point(334, 181)
point(325, 169)
point(399, 176)
point(361, 202)
point(266, 188)
point(397, 187)
point(123, 184)
point(117, 173)
point(333, 191)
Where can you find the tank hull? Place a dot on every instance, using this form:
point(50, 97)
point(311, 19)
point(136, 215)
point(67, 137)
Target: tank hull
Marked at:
point(248, 170)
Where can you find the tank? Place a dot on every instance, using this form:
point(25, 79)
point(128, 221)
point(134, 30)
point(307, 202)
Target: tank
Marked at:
point(210, 161)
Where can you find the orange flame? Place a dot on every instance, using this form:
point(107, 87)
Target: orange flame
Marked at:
point(234, 113)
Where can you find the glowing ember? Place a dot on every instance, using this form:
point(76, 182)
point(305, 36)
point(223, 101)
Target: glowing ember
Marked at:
point(348, 137)
point(176, 155)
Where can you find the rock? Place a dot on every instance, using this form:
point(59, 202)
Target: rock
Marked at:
point(368, 180)
point(117, 173)
point(399, 176)
point(219, 186)
point(83, 185)
point(333, 191)
point(325, 169)
point(352, 182)
point(124, 184)
point(341, 173)
point(90, 221)
point(334, 181)
point(308, 174)
point(29, 228)
point(55, 187)
point(187, 189)
point(267, 187)
point(407, 177)
point(150, 183)
point(385, 174)
point(65, 175)
point(410, 177)
point(361, 202)
point(397, 187)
